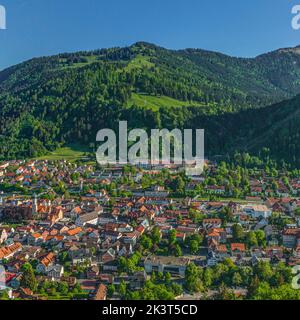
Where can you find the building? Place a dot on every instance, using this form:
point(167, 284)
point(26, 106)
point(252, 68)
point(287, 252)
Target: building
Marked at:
point(238, 249)
point(257, 211)
point(212, 223)
point(289, 237)
point(9, 251)
point(173, 265)
point(45, 262)
point(55, 271)
point(87, 218)
point(101, 292)
point(92, 272)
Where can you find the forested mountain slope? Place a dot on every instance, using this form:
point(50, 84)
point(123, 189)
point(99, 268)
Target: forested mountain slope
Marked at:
point(52, 101)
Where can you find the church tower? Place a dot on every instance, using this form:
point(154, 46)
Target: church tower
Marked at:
point(35, 205)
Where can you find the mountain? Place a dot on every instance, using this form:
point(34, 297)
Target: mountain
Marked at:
point(276, 127)
point(51, 101)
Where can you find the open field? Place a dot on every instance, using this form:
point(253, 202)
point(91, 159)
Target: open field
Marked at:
point(71, 153)
point(155, 102)
point(139, 62)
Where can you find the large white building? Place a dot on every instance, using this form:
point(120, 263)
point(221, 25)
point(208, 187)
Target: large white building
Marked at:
point(256, 210)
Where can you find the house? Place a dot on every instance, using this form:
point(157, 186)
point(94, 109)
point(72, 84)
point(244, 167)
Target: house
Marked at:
point(124, 227)
point(130, 238)
point(237, 249)
point(221, 251)
point(100, 292)
point(173, 265)
point(55, 215)
point(55, 271)
point(35, 239)
point(212, 223)
point(92, 272)
point(14, 265)
point(213, 235)
point(111, 266)
point(215, 189)
point(135, 281)
point(289, 237)
point(108, 256)
point(211, 259)
point(45, 262)
point(107, 218)
point(140, 229)
point(79, 255)
point(180, 237)
point(87, 218)
point(16, 281)
point(218, 234)
point(257, 252)
point(106, 278)
point(124, 250)
point(89, 286)
point(256, 190)
point(244, 219)
point(71, 281)
point(113, 235)
point(74, 231)
point(274, 251)
point(9, 251)
point(75, 212)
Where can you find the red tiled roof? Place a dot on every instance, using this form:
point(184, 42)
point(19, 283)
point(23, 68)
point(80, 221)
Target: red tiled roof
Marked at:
point(49, 258)
point(101, 292)
point(7, 251)
point(73, 232)
point(237, 246)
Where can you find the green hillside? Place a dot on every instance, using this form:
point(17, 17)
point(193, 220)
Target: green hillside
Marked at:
point(50, 102)
point(70, 153)
point(156, 102)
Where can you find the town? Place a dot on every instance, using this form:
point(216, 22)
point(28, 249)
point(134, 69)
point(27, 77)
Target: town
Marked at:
point(76, 230)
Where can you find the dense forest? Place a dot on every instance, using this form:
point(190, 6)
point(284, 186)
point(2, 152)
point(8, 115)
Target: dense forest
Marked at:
point(53, 101)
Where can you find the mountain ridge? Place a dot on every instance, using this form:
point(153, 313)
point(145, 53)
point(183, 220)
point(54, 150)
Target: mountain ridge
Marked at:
point(293, 48)
point(47, 102)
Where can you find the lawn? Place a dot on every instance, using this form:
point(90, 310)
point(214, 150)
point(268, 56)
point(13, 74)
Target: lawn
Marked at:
point(139, 62)
point(155, 102)
point(71, 153)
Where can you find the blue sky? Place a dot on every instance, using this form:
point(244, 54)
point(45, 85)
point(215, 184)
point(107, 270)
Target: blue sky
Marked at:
point(235, 27)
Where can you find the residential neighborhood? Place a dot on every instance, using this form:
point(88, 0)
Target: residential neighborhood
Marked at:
point(74, 230)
